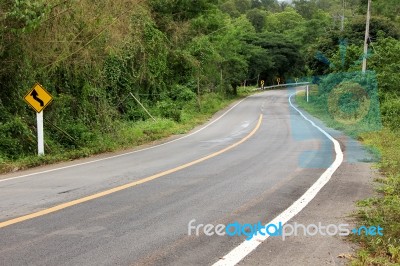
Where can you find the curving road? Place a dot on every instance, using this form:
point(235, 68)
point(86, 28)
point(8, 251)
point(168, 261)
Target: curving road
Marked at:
point(248, 164)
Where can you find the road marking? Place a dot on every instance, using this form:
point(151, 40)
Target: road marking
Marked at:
point(128, 153)
point(129, 185)
point(246, 247)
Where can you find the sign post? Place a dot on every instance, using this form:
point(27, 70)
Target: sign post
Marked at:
point(39, 120)
point(262, 84)
point(307, 93)
point(38, 98)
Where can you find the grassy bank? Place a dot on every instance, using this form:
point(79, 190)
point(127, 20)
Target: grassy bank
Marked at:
point(126, 135)
point(383, 210)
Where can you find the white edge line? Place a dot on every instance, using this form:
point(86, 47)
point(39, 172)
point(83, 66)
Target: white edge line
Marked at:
point(246, 247)
point(128, 153)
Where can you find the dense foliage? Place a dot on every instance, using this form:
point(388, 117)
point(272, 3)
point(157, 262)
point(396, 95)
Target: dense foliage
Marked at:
point(167, 53)
point(181, 59)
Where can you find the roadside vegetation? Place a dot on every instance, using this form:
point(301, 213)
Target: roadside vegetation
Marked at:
point(378, 129)
point(128, 134)
point(184, 61)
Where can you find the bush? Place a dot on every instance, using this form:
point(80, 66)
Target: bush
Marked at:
point(182, 94)
point(390, 109)
point(169, 109)
point(17, 140)
point(81, 134)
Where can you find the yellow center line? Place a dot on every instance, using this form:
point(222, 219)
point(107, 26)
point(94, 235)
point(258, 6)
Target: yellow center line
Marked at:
point(129, 185)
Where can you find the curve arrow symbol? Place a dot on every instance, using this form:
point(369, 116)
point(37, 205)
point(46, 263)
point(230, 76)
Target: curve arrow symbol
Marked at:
point(34, 94)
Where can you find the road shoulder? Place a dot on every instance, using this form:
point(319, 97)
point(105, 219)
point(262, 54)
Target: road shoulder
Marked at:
point(333, 205)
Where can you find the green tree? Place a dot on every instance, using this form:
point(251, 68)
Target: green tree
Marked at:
point(285, 57)
point(257, 18)
point(385, 61)
point(270, 5)
point(386, 8)
point(233, 49)
point(306, 8)
point(287, 22)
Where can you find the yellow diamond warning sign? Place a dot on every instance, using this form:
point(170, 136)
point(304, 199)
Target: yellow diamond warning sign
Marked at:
point(38, 98)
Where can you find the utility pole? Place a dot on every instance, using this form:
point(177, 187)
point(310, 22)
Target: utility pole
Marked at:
point(342, 17)
point(364, 65)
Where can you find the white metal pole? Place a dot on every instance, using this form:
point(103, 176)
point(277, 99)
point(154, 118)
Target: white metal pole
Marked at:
point(40, 136)
point(307, 93)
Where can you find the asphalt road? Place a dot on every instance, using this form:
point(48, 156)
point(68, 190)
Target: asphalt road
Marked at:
point(276, 157)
